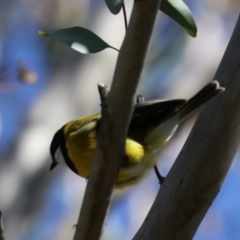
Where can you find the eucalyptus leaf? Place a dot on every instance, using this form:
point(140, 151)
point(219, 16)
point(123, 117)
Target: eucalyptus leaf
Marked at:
point(79, 39)
point(114, 6)
point(179, 11)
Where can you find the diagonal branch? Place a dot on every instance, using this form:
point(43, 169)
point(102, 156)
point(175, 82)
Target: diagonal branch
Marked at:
point(116, 113)
point(200, 169)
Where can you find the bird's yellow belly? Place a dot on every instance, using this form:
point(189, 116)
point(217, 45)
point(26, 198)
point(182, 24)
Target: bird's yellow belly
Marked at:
point(81, 152)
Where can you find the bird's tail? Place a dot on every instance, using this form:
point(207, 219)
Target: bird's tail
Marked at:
point(209, 91)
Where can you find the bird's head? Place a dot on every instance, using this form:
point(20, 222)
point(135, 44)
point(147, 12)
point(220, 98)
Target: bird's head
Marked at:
point(55, 148)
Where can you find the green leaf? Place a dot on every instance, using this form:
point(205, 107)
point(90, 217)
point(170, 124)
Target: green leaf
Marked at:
point(114, 6)
point(79, 39)
point(179, 11)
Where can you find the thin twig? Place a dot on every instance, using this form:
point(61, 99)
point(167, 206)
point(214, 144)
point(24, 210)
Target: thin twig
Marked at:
point(103, 91)
point(124, 14)
point(114, 48)
point(140, 99)
point(159, 176)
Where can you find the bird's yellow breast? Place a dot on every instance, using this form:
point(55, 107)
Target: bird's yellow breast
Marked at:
point(81, 142)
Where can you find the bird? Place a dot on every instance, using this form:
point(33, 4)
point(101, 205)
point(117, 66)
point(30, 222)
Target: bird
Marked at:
point(152, 125)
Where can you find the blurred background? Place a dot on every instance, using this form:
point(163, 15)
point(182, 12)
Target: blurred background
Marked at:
point(44, 84)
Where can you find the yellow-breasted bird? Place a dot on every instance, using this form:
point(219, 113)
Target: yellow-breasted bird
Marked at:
point(152, 124)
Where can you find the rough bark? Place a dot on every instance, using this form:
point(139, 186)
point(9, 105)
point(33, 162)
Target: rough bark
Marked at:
point(200, 169)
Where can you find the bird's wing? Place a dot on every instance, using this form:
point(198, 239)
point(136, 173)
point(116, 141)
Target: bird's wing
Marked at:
point(149, 115)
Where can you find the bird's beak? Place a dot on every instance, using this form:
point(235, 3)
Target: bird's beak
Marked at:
point(53, 165)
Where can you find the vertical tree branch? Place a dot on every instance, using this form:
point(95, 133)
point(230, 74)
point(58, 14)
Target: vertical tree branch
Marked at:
point(199, 171)
point(116, 113)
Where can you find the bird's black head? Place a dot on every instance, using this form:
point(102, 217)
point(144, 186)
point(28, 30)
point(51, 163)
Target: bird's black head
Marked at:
point(55, 144)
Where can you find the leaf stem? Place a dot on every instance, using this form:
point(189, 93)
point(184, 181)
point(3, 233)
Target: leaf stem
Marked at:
point(114, 48)
point(125, 15)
